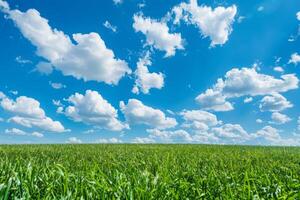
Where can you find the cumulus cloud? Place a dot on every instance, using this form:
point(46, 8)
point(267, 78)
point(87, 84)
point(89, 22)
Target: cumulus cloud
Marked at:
point(247, 81)
point(298, 15)
point(234, 132)
point(213, 23)
point(272, 136)
point(199, 120)
point(295, 58)
point(91, 108)
point(137, 113)
point(110, 140)
point(244, 82)
point(15, 131)
point(275, 102)
point(143, 140)
point(158, 34)
point(269, 133)
point(73, 140)
point(170, 136)
point(214, 100)
point(28, 113)
point(37, 134)
point(279, 118)
point(278, 69)
point(88, 58)
point(146, 80)
point(24, 106)
point(46, 123)
point(196, 128)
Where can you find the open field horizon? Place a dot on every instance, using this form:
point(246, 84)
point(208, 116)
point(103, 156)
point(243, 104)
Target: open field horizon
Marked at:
point(156, 143)
point(149, 171)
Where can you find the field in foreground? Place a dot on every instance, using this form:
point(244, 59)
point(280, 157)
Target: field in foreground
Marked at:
point(148, 172)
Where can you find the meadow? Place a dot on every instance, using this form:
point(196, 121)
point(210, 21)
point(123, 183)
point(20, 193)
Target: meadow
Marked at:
point(128, 171)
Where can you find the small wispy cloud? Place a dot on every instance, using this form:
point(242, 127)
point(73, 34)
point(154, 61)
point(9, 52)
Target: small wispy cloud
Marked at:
point(109, 26)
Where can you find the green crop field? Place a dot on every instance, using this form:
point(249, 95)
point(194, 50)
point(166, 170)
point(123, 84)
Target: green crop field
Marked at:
point(148, 172)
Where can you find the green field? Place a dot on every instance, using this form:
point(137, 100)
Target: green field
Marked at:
point(148, 172)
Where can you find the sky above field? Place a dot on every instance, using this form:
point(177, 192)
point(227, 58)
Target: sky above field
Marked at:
point(141, 71)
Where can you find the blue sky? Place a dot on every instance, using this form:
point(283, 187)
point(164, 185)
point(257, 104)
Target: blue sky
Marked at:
point(222, 72)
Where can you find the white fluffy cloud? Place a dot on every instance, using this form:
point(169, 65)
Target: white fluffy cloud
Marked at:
point(143, 140)
point(269, 133)
point(295, 58)
point(15, 131)
point(73, 140)
point(279, 118)
point(28, 113)
point(213, 23)
point(214, 100)
point(234, 132)
point(199, 120)
point(23, 106)
point(37, 134)
point(247, 81)
point(170, 136)
point(298, 15)
point(137, 113)
point(275, 102)
point(46, 123)
point(92, 108)
point(158, 35)
point(278, 69)
point(272, 136)
point(110, 140)
point(144, 79)
point(88, 58)
point(244, 82)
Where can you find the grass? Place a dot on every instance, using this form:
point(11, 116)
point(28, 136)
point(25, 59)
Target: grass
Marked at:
point(148, 172)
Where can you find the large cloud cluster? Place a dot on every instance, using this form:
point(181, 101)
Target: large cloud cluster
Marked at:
point(27, 112)
point(245, 82)
point(88, 58)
